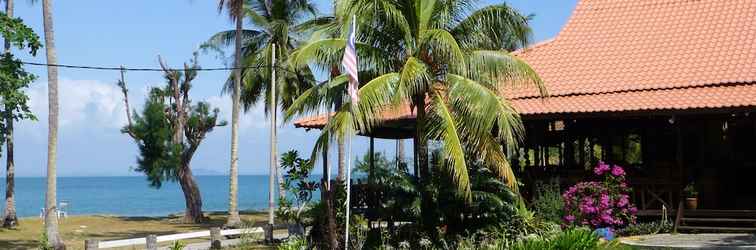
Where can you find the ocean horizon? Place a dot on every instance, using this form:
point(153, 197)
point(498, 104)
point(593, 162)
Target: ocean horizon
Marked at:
point(132, 195)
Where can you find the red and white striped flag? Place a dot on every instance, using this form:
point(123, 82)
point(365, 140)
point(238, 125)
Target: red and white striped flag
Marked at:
point(350, 64)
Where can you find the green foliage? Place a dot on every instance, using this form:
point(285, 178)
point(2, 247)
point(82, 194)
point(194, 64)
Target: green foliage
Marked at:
point(296, 181)
point(548, 203)
point(293, 243)
point(161, 155)
point(282, 24)
point(13, 78)
point(644, 228)
point(572, 239)
point(177, 245)
point(44, 243)
point(358, 229)
point(18, 34)
point(690, 190)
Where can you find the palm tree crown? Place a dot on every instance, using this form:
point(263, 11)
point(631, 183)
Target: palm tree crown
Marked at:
point(281, 24)
point(443, 57)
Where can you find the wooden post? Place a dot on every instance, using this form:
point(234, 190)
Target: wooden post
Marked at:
point(91, 244)
point(215, 238)
point(268, 233)
point(151, 242)
point(678, 217)
point(371, 188)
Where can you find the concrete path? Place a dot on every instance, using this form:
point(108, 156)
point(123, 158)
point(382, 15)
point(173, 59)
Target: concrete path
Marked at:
point(692, 241)
point(225, 243)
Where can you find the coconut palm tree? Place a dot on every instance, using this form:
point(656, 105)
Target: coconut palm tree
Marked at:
point(51, 218)
point(446, 59)
point(276, 22)
point(236, 13)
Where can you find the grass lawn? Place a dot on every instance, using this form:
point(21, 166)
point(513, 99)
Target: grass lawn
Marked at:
point(76, 229)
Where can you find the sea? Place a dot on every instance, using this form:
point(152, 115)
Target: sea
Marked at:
point(132, 196)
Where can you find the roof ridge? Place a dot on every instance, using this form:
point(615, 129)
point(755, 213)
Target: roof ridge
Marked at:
point(711, 85)
point(627, 4)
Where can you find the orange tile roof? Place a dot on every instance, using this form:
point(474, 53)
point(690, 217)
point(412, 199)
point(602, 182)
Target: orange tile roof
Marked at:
point(631, 55)
point(626, 45)
point(404, 112)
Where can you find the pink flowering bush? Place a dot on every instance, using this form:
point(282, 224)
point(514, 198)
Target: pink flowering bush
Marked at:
point(599, 204)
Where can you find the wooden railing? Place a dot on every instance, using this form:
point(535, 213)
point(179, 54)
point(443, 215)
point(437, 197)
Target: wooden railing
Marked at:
point(151, 241)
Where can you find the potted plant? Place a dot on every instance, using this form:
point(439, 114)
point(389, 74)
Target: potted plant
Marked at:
point(691, 196)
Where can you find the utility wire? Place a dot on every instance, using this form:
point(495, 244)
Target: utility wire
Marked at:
point(142, 69)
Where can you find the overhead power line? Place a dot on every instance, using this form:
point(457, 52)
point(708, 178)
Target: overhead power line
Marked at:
point(141, 69)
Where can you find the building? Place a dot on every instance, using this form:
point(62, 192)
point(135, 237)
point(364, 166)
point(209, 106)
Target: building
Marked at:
point(666, 88)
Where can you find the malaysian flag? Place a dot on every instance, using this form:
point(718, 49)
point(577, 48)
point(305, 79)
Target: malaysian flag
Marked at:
point(350, 64)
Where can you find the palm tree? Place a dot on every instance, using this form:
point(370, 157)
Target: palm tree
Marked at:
point(51, 218)
point(235, 12)
point(276, 22)
point(10, 219)
point(448, 61)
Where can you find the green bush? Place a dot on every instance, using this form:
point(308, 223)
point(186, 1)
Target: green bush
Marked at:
point(654, 227)
point(548, 203)
point(293, 243)
point(572, 239)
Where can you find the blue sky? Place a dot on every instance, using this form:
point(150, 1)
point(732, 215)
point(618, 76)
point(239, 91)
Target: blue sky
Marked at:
point(133, 33)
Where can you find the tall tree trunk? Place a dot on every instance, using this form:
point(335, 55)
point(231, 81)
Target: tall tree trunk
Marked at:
point(342, 158)
point(233, 210)
point(273, 157)
point(10, 219)
point(51, 218)
point(400, 154)
point(326, 196)
point(192, 196)
point(279, 172)
point(339, 138)
point(421, 143)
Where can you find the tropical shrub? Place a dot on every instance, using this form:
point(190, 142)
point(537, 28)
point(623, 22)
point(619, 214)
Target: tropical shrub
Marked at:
point(548, 203)
point(575, 239)
point(598, 204)
point(654, 227)
point(293, 243)
point(296, 181)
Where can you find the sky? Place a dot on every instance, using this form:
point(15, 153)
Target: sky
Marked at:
point(133, 33)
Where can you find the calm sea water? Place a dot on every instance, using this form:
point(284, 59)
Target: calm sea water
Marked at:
point(131, 196)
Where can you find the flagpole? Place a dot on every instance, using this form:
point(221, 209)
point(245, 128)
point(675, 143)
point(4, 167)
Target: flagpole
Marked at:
point(350, 133)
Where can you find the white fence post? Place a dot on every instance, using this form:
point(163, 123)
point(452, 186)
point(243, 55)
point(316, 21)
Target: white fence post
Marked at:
point(215, 238)
point(91, 244)
point(152, 242)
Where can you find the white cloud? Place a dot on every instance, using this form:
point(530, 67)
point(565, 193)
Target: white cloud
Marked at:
point(82, 103)
point(252, 119)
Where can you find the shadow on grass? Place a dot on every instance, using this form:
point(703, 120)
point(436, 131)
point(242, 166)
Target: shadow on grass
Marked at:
point(18, 244)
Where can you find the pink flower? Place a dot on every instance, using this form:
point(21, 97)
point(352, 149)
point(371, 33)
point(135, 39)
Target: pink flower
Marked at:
point(601, 168)
point(569, 219)
point(618, 171)
point(604, 201)
point(623, 201)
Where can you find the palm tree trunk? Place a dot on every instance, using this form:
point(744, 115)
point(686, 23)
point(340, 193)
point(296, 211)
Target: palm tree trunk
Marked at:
point(422, 162)
point(279, 173)
point(273, 166)
point(233, 210)
point(326, 196)
point(342, 159)
point(10, 219)
point(51, 218)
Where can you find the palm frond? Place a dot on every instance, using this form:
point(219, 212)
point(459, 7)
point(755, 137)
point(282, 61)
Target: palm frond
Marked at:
point(494, 27)
point(442, 126)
